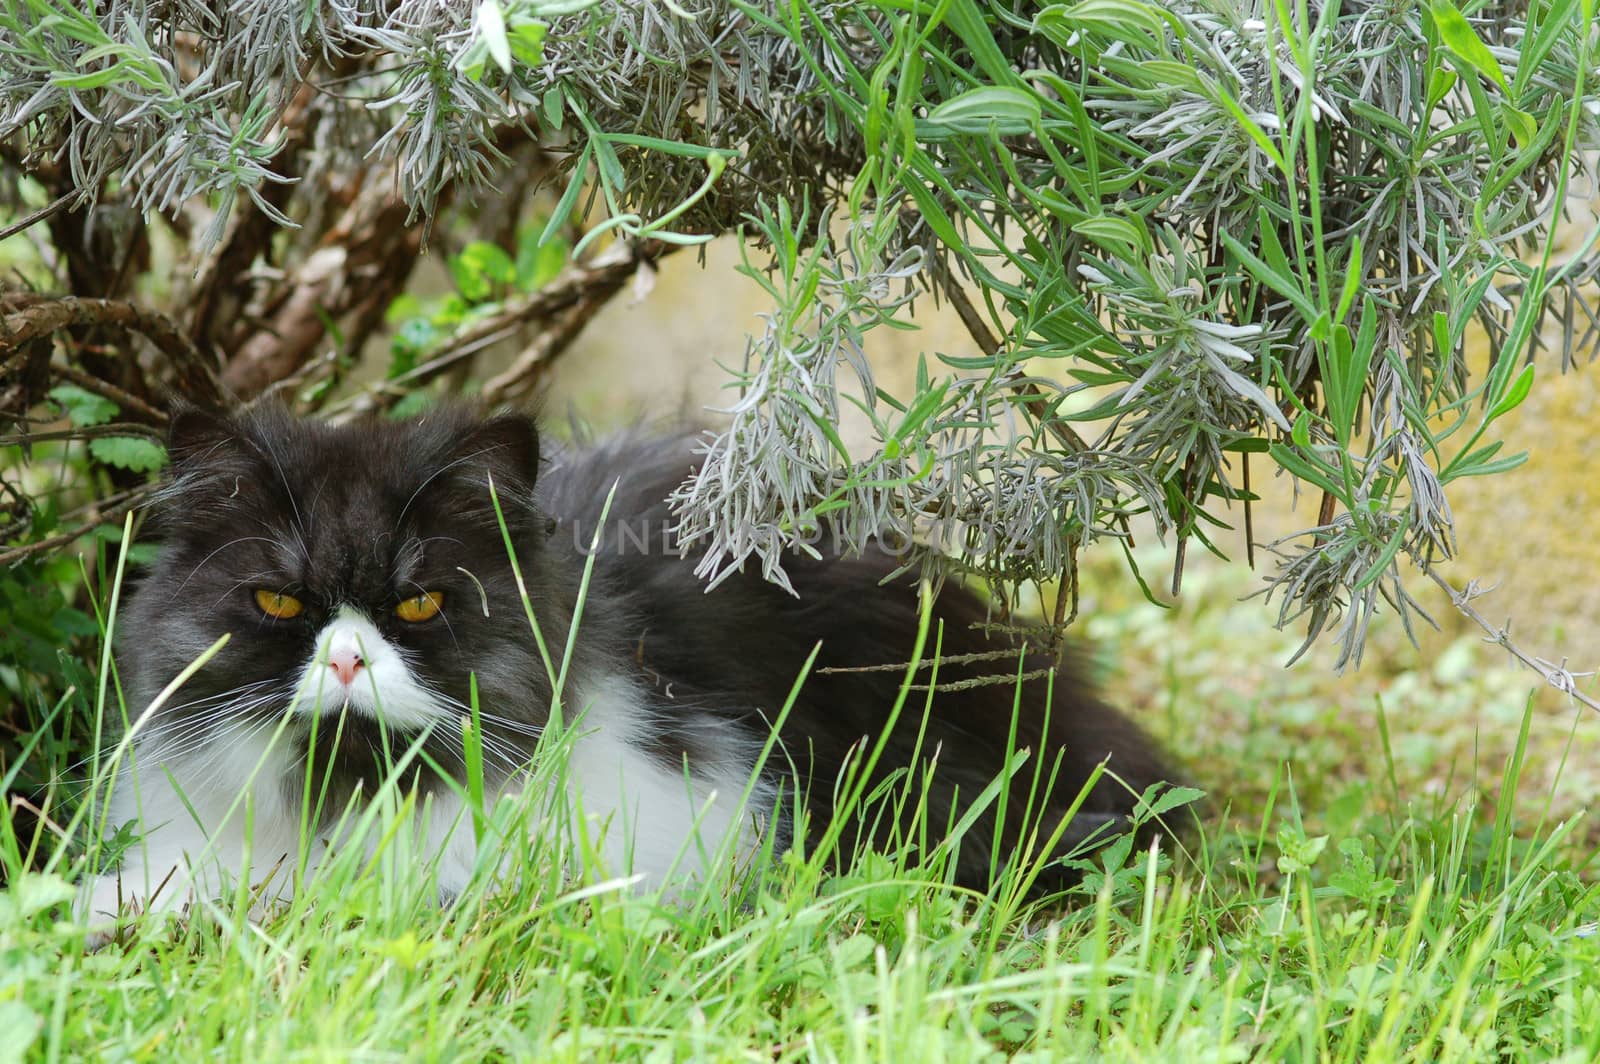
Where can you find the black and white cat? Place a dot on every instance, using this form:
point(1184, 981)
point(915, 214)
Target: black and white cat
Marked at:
point(361, 574)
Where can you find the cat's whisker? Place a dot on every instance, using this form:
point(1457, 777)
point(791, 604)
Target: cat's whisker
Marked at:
point(210, 768)
point(442, 616)
point(185, 724)
point(297, 524)
point(321, 486)
point(207, 736)
point(257, 578)
point(463, 460)
point(229, 693)
point(511, 755)
point(219, 699)
point(193, 774)
point(221, 704)
point(201, 563)
point(239, 707)
point(533, 731)
point(488, 716)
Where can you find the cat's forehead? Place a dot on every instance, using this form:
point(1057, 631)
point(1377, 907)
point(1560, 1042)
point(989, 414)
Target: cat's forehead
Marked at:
point(342, 522)
point(358, 479)
point(330, 514)
point(351, 508)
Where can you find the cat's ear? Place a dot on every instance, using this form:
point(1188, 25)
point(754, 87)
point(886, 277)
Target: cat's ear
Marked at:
point(507, 445)
point(193, 431)
point(210, 459)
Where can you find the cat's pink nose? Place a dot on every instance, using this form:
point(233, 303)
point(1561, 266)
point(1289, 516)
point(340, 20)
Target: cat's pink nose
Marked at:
point(345, 663)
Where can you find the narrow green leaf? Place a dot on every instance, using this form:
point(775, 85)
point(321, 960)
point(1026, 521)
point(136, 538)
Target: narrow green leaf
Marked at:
point(1320, 326)
point(1514, 395)
point(1521, 124)
point(527, 41)
point(563, 211)
point(1483, 468)
point(1114, 20)
point(553, 107)
point(1251, 128)
point(1300, 467)
point(1554, 24)
point(921, 409)
point(1278, 280)
point(670, 147)
point(1117, 235)
point(1464, 43)
point(972, 27)
point(1007, 111)
point(1390, 549)
point(492, 30)
point(1301, 432)
point(1352, 280)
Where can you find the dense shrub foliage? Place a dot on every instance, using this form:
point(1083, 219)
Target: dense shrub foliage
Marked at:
point(1203, 250)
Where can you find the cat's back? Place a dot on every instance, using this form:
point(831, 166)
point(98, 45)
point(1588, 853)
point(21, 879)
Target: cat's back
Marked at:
point(637, 469)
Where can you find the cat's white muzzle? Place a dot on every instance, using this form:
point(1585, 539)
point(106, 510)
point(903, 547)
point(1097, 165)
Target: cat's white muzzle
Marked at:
point(354, 666)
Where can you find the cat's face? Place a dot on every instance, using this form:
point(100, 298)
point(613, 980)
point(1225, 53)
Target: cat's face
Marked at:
point(352, 569)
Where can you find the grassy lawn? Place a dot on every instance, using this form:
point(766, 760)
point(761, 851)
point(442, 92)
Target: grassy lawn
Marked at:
point(1393, 865)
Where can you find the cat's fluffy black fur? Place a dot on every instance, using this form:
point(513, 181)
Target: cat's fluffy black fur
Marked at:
point(369, 514)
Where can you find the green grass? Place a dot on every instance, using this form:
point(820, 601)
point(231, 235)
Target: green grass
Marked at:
point(1395, 867)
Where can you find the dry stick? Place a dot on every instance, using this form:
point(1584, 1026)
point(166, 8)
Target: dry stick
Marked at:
point(134, 495)
point(90, 383)
point(28, 550)
point(362, 262)
point(371, 244)
point(954, 659)
point(926, 663)
point(555, 338)
point(1249, 524)
point(1557, 676)
point(251, 230)
point(573, 286)
point(84, 432)
point(983, 681)
point(41, 214)
point(46, 316)
point(990, 346)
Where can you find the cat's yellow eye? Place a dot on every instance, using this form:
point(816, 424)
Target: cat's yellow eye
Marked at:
point(277, 604)
point(423, 607)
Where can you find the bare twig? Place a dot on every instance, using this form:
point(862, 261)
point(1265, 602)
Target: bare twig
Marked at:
point(217, 290)
point(926, 663)
point(122, 397)
point(370, 247)
point(536, 358)
point(1557, 676)
point(990, 346)
point(41, 214)
point(136, 494)
point(45, 546)
point(983, 681)
point(584, 287)
point(954, 659)
point(47, 315)
point(85, 432)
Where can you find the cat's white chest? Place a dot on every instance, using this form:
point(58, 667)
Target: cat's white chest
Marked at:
point(224, 812)
point(660, 823)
